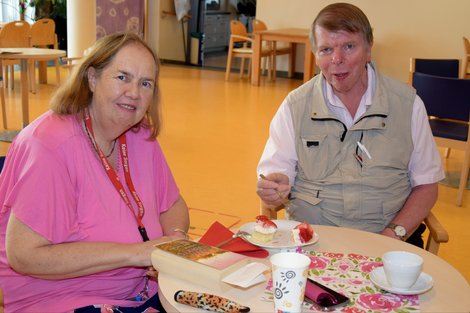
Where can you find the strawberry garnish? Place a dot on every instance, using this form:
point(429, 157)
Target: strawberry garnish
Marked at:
point(262, 218)
point(265, 221)
point(269, 224)
point(305, 232)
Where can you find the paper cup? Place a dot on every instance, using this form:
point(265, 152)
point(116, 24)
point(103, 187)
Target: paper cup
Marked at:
point(402, 268)
point(289, 272)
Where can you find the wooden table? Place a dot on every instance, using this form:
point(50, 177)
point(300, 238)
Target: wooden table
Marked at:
point(450, 292)
point(291, 35)
point(24, 55)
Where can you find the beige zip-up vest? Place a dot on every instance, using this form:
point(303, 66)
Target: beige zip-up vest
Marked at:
point(332, 187)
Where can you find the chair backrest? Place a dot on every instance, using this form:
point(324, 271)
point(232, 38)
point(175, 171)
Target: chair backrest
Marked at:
point(15, 35)
point(258, 25)
point(437, 67)
point(237, 28)
point(466, 44)
point(466, 70)
point(43, 33)
point(444, 97)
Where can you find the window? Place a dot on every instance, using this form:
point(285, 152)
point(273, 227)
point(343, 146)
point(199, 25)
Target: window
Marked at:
point(212, 5)
point(9, 11)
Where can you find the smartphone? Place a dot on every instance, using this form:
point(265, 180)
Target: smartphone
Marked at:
point(329, 300)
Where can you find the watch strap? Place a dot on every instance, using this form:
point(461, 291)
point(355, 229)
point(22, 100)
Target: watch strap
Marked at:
point(394, 227)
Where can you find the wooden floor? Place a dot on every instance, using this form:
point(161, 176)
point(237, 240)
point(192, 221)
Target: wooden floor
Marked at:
point(213, 135)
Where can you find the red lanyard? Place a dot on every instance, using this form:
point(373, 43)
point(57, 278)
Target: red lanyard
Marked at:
point(115, 179)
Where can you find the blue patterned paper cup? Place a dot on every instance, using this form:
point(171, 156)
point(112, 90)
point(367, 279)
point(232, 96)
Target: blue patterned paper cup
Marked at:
point(289, 272)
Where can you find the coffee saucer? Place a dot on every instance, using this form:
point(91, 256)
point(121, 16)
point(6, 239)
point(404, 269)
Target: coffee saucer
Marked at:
point(423, 284)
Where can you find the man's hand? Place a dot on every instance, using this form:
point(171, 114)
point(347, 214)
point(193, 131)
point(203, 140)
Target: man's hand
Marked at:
point(273, 188)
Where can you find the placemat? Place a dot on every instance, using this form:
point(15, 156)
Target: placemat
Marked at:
point(349, 274)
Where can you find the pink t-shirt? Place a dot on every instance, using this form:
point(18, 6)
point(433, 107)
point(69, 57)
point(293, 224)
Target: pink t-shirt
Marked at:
point(55, 184)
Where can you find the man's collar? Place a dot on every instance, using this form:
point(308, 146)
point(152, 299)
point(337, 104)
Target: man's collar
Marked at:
point(334, 100)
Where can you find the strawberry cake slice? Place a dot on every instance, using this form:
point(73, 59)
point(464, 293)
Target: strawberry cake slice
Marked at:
point(264, 229)
point(302, 233)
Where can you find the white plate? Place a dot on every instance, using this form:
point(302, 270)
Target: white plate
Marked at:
point(423, 284)
point(282, 238)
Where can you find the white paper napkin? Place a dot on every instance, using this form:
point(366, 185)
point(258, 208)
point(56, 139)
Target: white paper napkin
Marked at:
point(247, 276)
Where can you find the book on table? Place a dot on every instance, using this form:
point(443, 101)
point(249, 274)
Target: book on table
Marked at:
point(197, 263)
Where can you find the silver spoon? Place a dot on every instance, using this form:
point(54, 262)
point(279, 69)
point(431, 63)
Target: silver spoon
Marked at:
point(241, 233)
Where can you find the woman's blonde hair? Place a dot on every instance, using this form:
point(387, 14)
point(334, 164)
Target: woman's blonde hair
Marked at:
point(75, 94)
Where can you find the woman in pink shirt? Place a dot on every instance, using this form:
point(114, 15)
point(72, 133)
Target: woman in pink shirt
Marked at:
point(86, 192)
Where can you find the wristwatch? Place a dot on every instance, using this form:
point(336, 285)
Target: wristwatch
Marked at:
point(399, 230)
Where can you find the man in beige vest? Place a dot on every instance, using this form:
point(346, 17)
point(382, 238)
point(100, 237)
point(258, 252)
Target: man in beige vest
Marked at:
point(351, 147)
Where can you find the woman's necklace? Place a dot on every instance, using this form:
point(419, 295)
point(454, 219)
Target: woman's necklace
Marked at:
point(93, 145)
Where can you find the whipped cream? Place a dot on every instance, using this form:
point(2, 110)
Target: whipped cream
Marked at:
point(265, 230)
point(296, 236)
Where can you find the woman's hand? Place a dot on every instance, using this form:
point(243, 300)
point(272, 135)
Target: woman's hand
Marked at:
point(144, 250)
point(273, 189)
point(152, 273)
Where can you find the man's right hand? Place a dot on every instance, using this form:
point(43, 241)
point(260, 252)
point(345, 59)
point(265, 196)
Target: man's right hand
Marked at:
point(273, 188)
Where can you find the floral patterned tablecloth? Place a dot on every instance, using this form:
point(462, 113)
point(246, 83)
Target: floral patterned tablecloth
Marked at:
point(349, 274)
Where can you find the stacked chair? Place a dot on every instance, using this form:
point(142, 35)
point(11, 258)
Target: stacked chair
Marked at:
point(241, 46)
point(43, 36)
point(438, 67)
point(447, 102)
point(14, 35)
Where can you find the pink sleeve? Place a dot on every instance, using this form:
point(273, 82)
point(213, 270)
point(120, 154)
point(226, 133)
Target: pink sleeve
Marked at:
point(168, 193)
point(39, 184)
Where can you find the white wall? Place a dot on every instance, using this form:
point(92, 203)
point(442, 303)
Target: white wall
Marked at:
point(165, 31)
point(83, 34)
point(402, 28)
point(153, 22)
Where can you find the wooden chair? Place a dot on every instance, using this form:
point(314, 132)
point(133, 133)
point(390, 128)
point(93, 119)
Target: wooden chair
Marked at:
point(258, 25)
point(43, 36)
point(14, 35)
point(448, 99)
point(239, 36)
point(437, 233)
point(466, 63)
point(437, 67)
point(70, 62)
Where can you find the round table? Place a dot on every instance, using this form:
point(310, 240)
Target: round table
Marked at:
point(25, 55)
point(450, 292)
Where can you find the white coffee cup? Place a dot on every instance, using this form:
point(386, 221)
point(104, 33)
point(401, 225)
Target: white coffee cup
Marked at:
point(290, 271)
point(402, 268)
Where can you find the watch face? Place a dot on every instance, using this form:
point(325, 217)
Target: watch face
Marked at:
point(400, 230)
